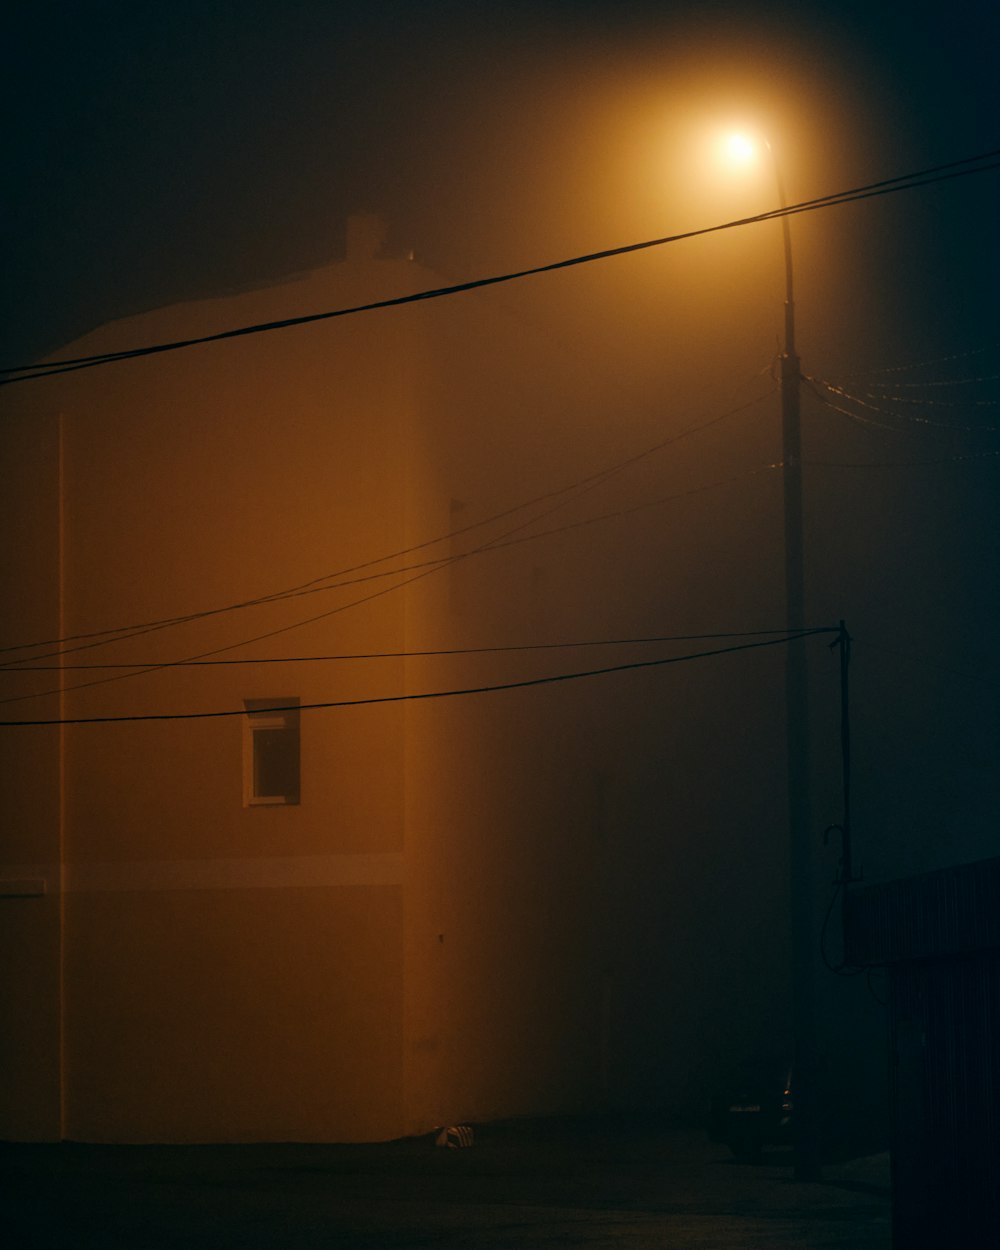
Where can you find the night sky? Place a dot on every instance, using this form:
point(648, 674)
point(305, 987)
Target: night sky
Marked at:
point(159, 152)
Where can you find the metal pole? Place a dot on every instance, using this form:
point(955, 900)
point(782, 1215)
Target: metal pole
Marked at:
point(802, 936)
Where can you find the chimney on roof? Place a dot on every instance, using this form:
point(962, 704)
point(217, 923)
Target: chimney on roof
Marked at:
point(365, 235)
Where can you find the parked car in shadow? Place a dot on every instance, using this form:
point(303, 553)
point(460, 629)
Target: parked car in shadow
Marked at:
point(754, 1109)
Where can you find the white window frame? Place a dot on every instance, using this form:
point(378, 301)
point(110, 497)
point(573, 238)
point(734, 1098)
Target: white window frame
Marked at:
point(270, 714)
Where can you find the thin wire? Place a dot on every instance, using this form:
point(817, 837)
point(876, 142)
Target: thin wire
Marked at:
point(924, 402)
point(124, 632)
point(885, 186)
point(105, 637)
point(425, 695)
point(925, 364)
point(272, 633)
point(483, 548)
point(895, 464)
point(900, 416)
point(860, 419)
point(650, 503)
point(986, 377)
point(436, 651)
point(151, 666)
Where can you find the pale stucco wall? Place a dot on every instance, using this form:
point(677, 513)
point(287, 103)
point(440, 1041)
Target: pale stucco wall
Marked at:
point(30, 901)
point(234, 1014)
point(482, 907)
point(230, 973)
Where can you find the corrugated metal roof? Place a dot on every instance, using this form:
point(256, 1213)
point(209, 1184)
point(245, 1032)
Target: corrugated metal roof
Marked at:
point(947, 912)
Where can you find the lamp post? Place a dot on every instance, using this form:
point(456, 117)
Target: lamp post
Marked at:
point(807, 1153)
point(801, 928)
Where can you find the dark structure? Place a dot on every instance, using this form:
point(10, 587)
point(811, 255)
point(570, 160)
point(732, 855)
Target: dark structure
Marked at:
point(939, 936)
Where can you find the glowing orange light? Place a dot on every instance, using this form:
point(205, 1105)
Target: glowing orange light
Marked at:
point(740, 150)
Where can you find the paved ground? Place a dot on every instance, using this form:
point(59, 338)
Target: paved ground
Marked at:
point(532, 1184)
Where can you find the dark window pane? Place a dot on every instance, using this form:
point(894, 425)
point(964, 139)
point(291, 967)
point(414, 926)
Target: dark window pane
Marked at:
point(276, 763)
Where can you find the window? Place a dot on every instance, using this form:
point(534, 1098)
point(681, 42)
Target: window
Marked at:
point(270, 751)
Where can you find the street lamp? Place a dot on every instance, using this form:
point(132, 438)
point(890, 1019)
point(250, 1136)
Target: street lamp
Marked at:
point(742, 150)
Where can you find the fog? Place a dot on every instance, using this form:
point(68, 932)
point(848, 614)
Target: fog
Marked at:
point(180, 155)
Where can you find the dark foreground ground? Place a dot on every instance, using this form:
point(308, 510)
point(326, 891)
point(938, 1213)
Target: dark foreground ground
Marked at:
point(534, 1184)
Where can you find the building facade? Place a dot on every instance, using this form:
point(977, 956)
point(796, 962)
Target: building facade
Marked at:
point(250, 890)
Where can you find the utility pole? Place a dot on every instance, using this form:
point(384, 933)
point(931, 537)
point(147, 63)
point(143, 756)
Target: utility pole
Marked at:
point(802, 936)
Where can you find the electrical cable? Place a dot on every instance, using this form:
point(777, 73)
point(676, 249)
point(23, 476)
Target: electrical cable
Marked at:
point(925, 364)
point(494, 688)
point(418, 654)
point(986, 377)
point(886, 186)
point(924, 402)
point(861, 419)
point(435, 566)
point(159, 666)
point(895, 464)
point(900, 416)
point(639, 507)
point(123, 633)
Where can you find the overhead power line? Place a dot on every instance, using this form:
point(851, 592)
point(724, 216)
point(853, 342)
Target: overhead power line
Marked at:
point(425, 571)
point(936, 462)
point(407, 655)
point(887, 186)
point(913, 366)
point(340, 578)
point(907, 416)
point(939, 382)
point(493, 688)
